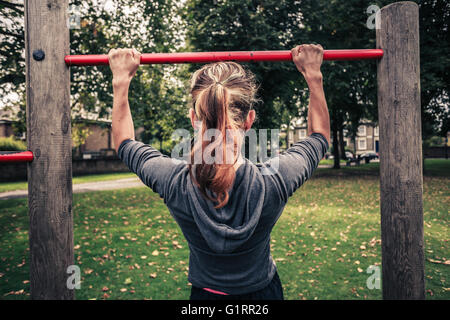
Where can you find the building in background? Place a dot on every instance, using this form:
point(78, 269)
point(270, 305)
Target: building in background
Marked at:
point(367, 138)
point(7, 119)
point(97, 144)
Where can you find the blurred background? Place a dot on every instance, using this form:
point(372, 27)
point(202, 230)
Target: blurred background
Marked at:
point(159, 97)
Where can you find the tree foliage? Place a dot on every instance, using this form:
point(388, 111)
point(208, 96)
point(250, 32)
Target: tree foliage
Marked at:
point(156, 98)
point(350, 87)
point(280, 25)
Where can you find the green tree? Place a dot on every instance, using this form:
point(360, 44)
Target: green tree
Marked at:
point(12, 58)
point(350, 87)
point(80, 133)
point(267, 25)
point(149, 26)
point(236, 25)
point(435, 66)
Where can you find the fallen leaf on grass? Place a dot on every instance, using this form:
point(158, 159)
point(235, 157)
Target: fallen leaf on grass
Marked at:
point(439, 261)
point(176, 245)
point(15, 292)
point(88, 271)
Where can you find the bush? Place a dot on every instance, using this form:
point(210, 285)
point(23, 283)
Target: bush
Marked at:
point(11, 144)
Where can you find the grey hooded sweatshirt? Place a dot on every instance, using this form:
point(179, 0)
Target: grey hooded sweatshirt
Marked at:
point(229, 247)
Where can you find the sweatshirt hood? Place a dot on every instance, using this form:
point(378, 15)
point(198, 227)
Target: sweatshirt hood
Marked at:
point(227, 228)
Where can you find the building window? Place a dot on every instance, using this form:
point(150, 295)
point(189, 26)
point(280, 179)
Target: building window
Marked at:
point(375, 131)
point(362, 130)
point(302, 133)
point(362, 144)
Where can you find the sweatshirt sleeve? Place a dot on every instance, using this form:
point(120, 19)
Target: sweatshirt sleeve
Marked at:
point(151, 166)
point(292, 168)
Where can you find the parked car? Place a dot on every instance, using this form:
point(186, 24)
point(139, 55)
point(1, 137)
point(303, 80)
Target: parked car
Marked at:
point(368, 156)
point(348, 155)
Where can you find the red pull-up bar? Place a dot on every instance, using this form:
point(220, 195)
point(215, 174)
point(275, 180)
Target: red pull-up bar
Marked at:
point(16, 156)
point(204, 57)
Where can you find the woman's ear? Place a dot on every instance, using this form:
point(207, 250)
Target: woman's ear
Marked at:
point(250, 119)
point(193, 117)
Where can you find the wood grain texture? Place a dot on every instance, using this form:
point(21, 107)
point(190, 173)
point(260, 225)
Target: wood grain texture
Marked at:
point(49, 138)
point(401, 179)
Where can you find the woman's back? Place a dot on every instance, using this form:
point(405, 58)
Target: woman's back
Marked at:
point(229, 246)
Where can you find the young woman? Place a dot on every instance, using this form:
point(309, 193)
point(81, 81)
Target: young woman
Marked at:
point(225, 209)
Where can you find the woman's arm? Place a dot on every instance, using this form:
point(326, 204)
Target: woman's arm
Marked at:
point(123, 64)
point(293, 167)
point(308, 59)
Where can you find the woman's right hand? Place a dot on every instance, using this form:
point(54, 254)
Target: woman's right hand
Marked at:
point(308, 59)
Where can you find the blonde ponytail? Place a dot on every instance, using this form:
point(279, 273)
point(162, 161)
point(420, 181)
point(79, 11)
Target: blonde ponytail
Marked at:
point(222, 93)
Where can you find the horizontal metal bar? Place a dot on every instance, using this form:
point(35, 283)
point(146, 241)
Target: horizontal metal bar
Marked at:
point(16, 156)
point(205, 57)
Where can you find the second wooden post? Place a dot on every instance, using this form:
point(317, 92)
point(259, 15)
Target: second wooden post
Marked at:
point(400, 152)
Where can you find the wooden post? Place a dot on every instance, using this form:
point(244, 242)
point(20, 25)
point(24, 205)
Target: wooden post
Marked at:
point(49, 138)
point(400, 152)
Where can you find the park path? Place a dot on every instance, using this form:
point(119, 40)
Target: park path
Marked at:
point(84, 187)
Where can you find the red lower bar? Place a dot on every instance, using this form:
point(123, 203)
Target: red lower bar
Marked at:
point(12, 156)
point(205, 57)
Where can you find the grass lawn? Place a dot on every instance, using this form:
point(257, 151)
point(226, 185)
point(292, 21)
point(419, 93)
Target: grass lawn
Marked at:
point(23, 185)
point(129, 247)
point(330, 162)
point(433, 168)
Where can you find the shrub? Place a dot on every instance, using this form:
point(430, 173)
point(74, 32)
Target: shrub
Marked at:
point(11, 144)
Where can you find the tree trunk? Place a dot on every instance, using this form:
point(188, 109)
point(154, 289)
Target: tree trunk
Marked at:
point(334, 132)
point(287, 137)
point(342, 143)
